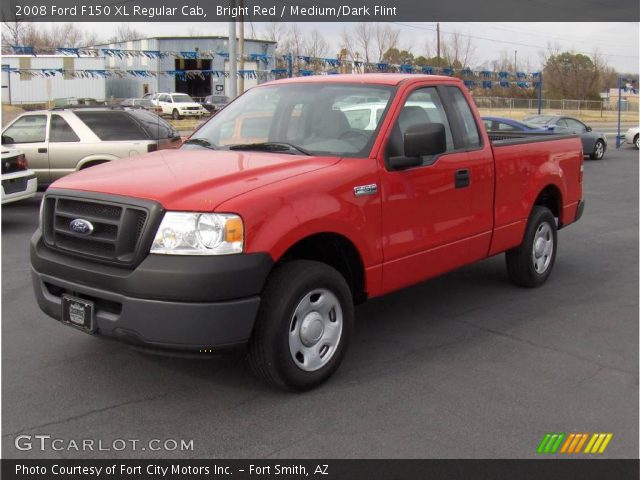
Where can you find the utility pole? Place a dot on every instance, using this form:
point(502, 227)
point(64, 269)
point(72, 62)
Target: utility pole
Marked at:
point(241, 49)
point(515, 56)
point(438, 42)
point(233, 58)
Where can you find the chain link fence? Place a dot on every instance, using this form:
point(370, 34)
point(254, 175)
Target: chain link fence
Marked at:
point(499, 103)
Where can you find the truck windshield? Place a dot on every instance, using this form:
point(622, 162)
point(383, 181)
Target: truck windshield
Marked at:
point(313, 118)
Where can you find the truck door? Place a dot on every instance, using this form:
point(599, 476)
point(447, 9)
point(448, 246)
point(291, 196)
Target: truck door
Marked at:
point(28, 133)
point(439, 215)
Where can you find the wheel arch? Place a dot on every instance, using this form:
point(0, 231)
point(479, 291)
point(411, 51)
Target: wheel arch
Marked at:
point(95, 159)
point(551, 197)
point(335, 250)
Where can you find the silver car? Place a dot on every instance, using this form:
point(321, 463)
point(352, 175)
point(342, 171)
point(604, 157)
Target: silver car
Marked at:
point(60, 141)
point(594, 143)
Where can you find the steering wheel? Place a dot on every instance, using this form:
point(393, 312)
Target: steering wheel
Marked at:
point(353, 133)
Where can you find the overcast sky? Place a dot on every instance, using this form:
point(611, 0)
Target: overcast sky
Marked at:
point(616, 42)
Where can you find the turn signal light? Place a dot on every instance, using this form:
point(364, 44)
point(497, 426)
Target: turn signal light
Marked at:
point(234, 230)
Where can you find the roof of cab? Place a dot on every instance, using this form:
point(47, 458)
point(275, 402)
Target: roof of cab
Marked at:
point(366, 78)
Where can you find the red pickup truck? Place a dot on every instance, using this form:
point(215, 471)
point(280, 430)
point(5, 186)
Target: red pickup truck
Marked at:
point(301, 199)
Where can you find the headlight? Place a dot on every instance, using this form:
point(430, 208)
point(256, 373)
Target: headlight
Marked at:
point(186, 233)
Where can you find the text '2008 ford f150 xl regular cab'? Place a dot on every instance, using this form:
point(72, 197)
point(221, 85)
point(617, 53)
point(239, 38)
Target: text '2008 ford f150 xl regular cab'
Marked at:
point(290, 206)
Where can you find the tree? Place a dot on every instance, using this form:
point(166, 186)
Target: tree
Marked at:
point(398, 57)
point(45, 39)
point(573, 76)
point(124, 33)
point(457, 50)
point(386, 37)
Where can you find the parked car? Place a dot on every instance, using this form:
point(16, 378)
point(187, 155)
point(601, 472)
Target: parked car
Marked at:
point(152, 97)
point(499, 124)
point(271, 243)
point(74, 102)
point(179, 105)
point(594, 144)
point(18, 182)
point(60, 141)
point(214, 103)
point(138, 103)
point(366, 116)
point(632, 137)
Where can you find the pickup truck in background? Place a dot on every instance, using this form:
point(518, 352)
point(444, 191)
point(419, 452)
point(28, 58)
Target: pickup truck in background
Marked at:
point(268, 234)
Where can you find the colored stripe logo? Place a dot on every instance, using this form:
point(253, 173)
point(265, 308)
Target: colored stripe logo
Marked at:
point(573, 443)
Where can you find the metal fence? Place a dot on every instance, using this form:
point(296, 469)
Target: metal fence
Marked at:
point(500, 103)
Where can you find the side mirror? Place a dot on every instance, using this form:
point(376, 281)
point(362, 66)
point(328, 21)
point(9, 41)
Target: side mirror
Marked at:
point(7, 140)
point(588, 129)
point(420, 140)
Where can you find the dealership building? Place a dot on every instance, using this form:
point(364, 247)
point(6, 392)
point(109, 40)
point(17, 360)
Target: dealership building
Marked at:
point(208, 53)
point(196, 86)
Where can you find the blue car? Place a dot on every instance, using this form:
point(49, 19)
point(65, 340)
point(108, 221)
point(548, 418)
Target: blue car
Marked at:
point(498, 124)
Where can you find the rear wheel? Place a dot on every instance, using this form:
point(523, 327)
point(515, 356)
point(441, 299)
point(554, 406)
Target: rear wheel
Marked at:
point(303, 326)
point(598, 150)
point(530, 264)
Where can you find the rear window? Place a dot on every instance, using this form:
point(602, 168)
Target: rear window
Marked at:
point(155, 127)
point(112, 125)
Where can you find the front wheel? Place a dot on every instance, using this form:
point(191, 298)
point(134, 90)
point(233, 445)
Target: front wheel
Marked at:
point(636, 141)
point(303, 326)
point(530, 264)
point(598, 150)
point(175, 114)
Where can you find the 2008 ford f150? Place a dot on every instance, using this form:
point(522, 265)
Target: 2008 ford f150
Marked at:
point(300, 199)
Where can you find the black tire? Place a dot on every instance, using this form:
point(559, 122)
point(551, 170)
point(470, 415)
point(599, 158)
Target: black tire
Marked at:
point(269, 356)
point(636, 141)
point(176, 115)
point(520, 260)
point(598, 151)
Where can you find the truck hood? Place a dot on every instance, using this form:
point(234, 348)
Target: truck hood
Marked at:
point(190, 179)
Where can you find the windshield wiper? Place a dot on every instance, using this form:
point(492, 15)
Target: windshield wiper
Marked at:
point(270, 147)
point(200, 142)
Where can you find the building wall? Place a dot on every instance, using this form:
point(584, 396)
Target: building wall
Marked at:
point(24, 89)
point(134, 87)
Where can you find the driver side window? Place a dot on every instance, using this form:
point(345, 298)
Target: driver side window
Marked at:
point(27, 129)
point(422, 106)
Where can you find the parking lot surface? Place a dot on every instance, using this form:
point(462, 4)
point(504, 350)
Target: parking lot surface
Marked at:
point(465, 365)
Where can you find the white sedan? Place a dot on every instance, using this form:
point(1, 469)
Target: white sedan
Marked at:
point(632, 136)
point(18, 182)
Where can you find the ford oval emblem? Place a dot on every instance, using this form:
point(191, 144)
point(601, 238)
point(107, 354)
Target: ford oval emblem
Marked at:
point(81, 226)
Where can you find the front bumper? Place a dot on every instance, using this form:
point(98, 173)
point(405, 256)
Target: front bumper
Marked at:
point(166, 302)
point(192, 113)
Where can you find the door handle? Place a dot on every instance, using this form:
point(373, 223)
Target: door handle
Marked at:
point(462, 178)
point(42, 150)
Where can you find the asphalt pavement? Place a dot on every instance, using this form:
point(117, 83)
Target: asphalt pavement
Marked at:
point(465, 365)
